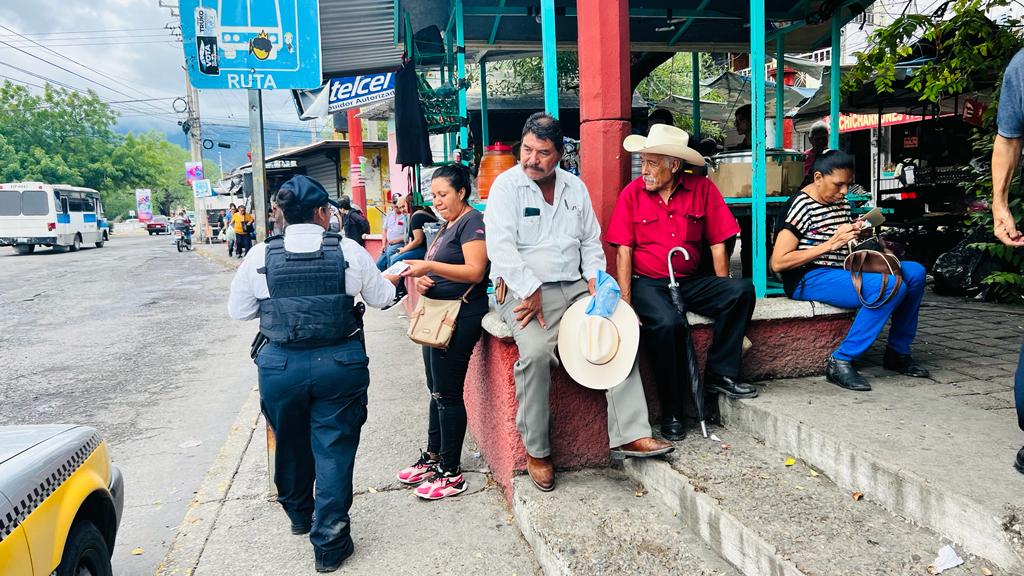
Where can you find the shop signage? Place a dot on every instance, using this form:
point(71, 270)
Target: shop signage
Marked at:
point(855, 122)
point(238, 44)
point(143, 201)
point(278, 164)
point(973, 111)
point(202, 189)
point(355, 91)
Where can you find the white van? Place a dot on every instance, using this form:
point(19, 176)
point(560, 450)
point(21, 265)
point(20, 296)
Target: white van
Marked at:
point(37, 214)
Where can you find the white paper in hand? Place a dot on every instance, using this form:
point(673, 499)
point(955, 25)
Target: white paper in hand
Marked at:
point(396, 269)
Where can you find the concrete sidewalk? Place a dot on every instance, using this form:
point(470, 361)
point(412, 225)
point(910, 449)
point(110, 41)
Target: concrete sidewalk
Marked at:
point(234, 528)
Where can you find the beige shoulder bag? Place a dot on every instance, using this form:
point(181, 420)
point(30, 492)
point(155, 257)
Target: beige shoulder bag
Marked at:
point(433, 321)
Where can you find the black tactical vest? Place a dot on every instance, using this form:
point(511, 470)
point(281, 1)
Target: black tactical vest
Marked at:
point(308, 306)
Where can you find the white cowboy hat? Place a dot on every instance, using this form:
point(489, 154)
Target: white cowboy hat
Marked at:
point(667, 140)
point(598, 352)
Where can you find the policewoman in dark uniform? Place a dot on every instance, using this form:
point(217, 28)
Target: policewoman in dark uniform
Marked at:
point(313, 371)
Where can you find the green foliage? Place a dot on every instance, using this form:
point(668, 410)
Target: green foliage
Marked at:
point(67, 137)
point(525, 75)
point(972, 52)
point(675, 78)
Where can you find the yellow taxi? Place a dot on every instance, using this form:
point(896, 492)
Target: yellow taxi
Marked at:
point(60, 501)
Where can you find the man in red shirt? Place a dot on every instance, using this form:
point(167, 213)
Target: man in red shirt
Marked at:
point(664, 208)
point(819, 141)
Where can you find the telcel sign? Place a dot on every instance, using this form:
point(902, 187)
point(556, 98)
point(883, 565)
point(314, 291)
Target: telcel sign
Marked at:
point(354, 91)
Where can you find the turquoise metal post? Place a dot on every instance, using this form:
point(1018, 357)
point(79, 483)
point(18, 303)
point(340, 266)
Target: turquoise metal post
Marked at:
point(833, 95)
point(483, 105)
point(780, 94)
point(550, 53)
point(757, 137)
point(460, 42)
point(695, 72)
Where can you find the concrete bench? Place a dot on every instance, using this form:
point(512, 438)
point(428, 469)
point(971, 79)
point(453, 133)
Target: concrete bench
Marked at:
point(789, 339)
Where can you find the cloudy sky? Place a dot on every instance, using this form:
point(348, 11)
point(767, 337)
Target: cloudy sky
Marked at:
point(126, 51)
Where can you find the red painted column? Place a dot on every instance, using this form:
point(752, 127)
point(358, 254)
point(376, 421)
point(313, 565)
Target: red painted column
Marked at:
point(355, 150)
point(604, 103)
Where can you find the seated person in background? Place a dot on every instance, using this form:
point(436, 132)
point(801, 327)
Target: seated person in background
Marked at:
point(415, 239)
point(394, 230)
point(667, 207)
point(810, 249)
point(819, 141)
point(660, 116)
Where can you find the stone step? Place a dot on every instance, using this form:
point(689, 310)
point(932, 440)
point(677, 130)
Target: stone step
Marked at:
point(937, 454)
point(597, 522)
point(767, 518)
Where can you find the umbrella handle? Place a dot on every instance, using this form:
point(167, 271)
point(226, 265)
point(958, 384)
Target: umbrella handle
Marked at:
point(671, 272)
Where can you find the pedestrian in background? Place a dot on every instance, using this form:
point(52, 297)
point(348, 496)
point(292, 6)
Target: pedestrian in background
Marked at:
point(415, 246)
point(393, 236)
point(313, 372)
point(454, 269)
point(229, 224)
point(242, 222)
point(353, 224)
point(1005, 157)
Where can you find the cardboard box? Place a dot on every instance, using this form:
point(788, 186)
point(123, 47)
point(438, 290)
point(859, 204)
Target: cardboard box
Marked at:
point(734, 179)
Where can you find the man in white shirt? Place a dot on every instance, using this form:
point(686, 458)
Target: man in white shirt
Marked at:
point(544, 243)
point(313, 371)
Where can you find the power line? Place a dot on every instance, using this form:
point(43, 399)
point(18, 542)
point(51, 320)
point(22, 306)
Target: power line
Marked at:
point(170, 42)
point(72, 60)
point(51, 33)
point(12, 79)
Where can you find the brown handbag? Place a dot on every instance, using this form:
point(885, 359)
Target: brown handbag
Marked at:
point(880, 261)
point(432, 323)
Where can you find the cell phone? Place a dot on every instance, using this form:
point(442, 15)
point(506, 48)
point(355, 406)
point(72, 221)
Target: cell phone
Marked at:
point(396, 269)
point(873, 218)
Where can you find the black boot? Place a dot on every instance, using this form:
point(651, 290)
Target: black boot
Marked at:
point(843, 374)
point(1019, 464)
point(903, 364)
point(329, 561)
point(673, 429)
point(728, 386)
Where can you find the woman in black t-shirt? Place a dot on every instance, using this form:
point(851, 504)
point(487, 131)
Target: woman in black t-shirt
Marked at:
point(455, 268)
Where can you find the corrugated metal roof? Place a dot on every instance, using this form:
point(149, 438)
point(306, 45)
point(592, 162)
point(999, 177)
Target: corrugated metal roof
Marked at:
point(358, 36)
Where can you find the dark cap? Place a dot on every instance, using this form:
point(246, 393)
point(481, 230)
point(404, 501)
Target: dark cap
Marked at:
point(308, 192)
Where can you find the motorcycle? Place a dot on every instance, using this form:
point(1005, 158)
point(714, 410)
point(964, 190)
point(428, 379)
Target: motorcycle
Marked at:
point(182, 240)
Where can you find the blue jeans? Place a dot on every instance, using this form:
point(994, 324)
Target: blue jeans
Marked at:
point(315, 401)
point(414, 254)
point(385, 256)
point(834, 286)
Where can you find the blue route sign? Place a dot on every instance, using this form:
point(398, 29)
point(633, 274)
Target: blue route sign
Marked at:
point(252, 44)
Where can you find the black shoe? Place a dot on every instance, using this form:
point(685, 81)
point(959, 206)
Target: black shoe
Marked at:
point(1019, 464)
point(843, 374)
point(332, 560)
point(300, 529)
point(904, 364)
point(400, 293)
point(729, 386)
point(301, 523)
point(673, 429)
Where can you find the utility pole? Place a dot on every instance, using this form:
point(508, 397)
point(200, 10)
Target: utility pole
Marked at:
point(195, 143)
point(259, 174)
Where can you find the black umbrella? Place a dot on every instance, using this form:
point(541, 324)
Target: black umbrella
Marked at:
point(696, 383)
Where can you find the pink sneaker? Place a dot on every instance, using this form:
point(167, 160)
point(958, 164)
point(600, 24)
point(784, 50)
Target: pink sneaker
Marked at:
point(422, 470)
point(450, 483)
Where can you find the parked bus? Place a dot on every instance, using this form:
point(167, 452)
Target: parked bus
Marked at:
point(36, 214)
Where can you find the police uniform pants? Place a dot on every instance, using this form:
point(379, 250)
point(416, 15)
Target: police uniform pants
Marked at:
point(627, 405)
point(315, 400)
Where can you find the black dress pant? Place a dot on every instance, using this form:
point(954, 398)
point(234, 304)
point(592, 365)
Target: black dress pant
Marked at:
point(728, 301)
point(446, 380)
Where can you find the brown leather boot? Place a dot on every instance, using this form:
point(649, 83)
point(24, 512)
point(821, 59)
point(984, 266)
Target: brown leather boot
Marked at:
point(643, 448)
point(542, 472)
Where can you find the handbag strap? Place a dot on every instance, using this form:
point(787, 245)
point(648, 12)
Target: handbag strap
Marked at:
point(857, 276)
point(471, 286)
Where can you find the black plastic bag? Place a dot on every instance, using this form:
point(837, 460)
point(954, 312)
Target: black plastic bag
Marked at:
point(960, 271)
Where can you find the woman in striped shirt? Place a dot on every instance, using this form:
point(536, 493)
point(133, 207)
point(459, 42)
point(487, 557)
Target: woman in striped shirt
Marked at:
point(809, 252)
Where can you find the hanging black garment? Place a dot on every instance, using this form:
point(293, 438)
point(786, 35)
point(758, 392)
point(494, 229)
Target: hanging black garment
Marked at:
point(410, 124)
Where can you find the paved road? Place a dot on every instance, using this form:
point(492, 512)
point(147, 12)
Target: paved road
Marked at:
point(133, 339)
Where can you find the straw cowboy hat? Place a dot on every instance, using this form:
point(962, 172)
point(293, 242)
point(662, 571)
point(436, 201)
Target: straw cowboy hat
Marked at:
point(598, 352)
point(667, 140)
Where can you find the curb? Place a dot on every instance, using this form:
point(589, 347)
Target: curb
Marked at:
point(902, 492)
point(724, 533)
point(213, 256)
point(187, 547)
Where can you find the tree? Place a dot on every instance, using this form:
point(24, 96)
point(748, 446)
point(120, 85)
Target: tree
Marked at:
point(67, 137)
point(966, 52)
